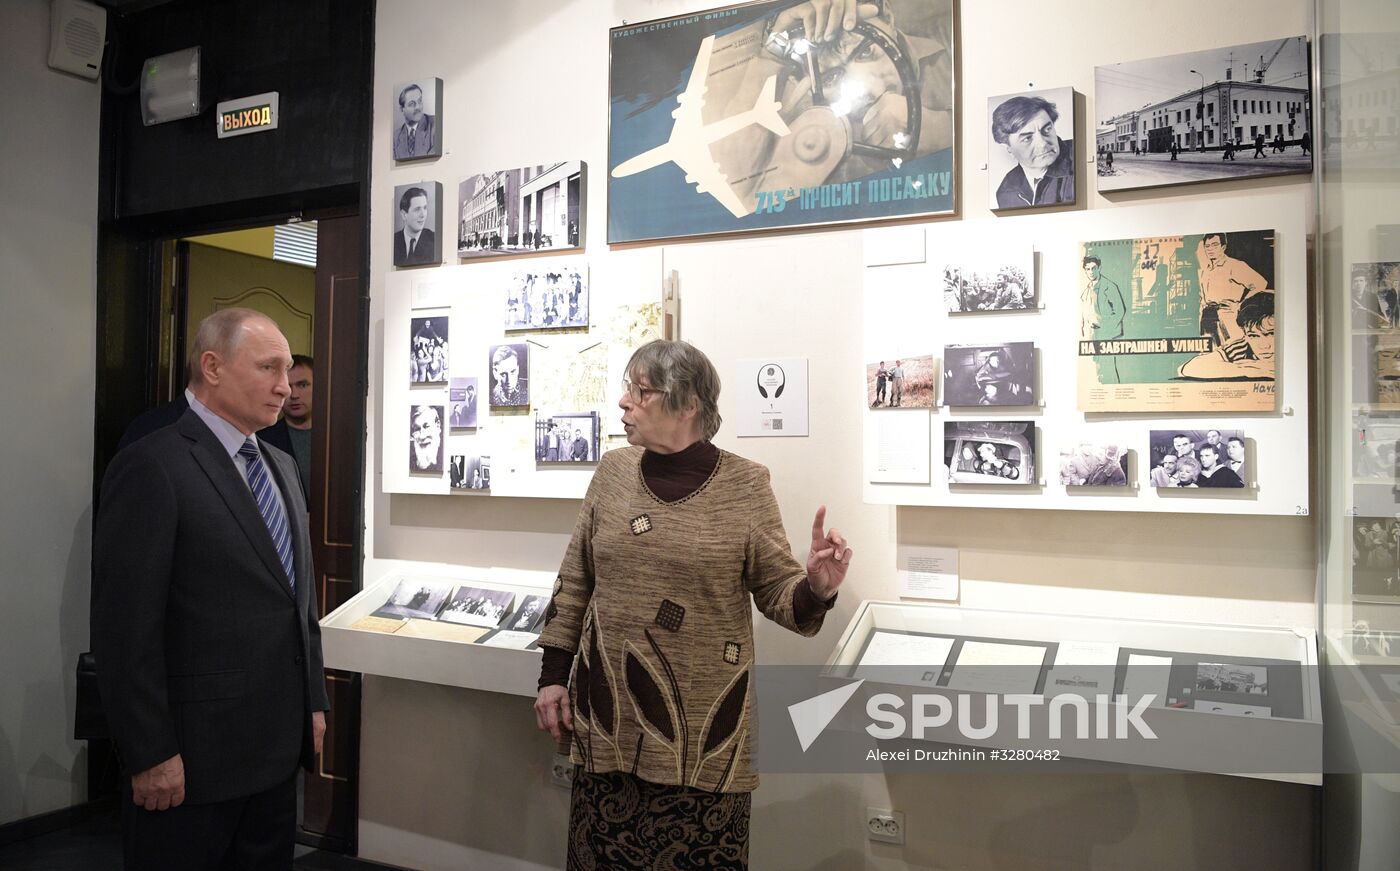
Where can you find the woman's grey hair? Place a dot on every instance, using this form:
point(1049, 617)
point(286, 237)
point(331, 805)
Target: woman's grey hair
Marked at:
point(221, 332)
point(687, 376)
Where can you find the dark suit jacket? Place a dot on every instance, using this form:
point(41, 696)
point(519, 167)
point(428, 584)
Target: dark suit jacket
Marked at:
point(161, 416)
point(202, 649)
point(424, 252)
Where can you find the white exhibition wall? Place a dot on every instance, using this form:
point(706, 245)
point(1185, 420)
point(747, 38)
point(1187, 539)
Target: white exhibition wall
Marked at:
point(526, 83)
point(48, 243)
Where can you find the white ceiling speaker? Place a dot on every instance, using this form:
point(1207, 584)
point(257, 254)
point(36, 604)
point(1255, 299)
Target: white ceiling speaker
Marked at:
point(77, 32)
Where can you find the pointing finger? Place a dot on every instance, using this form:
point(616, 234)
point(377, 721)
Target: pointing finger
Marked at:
point(819, 524)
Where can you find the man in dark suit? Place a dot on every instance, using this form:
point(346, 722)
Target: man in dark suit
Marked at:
point(415, 244)
point(204, 619)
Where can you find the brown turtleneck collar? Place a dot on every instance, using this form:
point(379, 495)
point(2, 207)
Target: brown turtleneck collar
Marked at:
point(675, 476)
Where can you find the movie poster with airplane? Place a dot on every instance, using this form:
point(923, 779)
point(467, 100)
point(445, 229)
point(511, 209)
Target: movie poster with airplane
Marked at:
point(780, 114)
point(1178, 323)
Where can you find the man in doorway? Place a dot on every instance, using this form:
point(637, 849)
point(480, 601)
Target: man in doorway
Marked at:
point(1101, 311)
point(204, 617)
point(293, 432)
point(416, 243)
point(415, 135)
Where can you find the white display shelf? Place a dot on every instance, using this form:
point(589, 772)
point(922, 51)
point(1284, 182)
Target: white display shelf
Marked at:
point(1295, 743)
point(452, 663)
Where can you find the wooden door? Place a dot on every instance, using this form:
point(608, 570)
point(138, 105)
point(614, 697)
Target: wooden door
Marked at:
point(329, 810)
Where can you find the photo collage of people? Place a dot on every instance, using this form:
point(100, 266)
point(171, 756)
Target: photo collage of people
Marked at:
point(460, 612)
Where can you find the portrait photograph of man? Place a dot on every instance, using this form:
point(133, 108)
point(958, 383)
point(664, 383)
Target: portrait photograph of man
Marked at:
point(417, 215)
point(417, 119)
point(1030, 149)
point(425, 439)
point(510, 375)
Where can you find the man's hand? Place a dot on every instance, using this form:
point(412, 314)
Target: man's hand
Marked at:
point(160, 787)
point(552, 707)
point(318, 729)
point(828, 560)
point(824, 20)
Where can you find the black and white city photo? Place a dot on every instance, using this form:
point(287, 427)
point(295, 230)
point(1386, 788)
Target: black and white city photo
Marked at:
point(510, 375)
point(417, 217)
point(417, 114)
point(1229, 677)
point(415, 599)
point(425, 439)
point(1094, 465)
point(469, 473)
point(989, 374)
point(567, 438)
point(528, 616)
point(990, 451)
point(1228, 112)
point(1196, 458)
point(985, 279)
point(476, 606)
point(1030, 149)
point(427, 350)
point(520, 210)
point(461, 403)
point(550, 296)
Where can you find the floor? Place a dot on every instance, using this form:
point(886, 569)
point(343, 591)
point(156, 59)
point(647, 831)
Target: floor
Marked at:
point(96, 845)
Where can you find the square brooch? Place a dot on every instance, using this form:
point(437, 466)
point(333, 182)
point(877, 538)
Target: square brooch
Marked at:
point(669, 615)
point(641, 523)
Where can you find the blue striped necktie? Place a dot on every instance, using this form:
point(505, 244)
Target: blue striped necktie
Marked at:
point(269, 507)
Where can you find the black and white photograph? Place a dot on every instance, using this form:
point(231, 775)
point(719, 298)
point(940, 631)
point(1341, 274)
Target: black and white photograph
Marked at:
point(550, 296)
point(1375, 558)
point(521, 210)
point(1094, 465)
point(1375, 296)
point(567, 438)
point(901, 382)
point(415, 599)
point(1229, 677)
point(1375, 451)
point(417, 219)
point(417, 116)
point(1230, 112)
point(989, 374)
point(1030, 149)
point(469, 473)
point(510, 375)
point(476, 606)
point(1376, 370)
point(990, 279)
point(1194, 458)
point(425, 439)
point(461, 403)
point(989, 451)
point(528, 616)
point(427, 350)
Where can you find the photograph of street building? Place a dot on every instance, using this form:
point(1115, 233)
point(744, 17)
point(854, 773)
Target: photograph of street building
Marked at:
point(1229, 112)
point(515, 211)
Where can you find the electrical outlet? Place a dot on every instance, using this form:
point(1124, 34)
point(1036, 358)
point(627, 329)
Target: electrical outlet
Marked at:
point(561, 771)
point(883, 824)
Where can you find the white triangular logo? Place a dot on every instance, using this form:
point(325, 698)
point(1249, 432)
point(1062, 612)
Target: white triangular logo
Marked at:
point(810, 717)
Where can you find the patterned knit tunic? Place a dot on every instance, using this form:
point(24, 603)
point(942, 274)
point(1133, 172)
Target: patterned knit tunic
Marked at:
point(654, 597)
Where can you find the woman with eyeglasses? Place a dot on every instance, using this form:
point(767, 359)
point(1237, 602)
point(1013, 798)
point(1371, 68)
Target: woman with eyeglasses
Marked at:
point(648, 638)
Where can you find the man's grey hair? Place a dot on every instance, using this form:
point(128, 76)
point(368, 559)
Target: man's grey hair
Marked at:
point(685, 374)
point(222, 332)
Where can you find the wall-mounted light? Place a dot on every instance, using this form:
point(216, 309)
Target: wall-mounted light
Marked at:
point(170, 87)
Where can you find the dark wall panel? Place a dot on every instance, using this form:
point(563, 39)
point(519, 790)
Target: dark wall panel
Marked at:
point(313, 52)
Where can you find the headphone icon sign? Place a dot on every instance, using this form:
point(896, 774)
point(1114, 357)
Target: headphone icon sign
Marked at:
point(771, 373)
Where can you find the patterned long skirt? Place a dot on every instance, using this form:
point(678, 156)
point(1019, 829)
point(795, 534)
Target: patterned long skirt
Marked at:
point(619, 822)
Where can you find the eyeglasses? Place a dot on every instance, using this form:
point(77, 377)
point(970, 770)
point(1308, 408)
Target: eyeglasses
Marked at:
point(637, 391)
